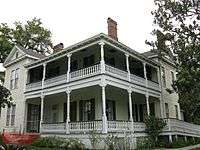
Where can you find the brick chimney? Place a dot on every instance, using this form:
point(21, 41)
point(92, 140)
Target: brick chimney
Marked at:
point(112, 28)
point(58, 47)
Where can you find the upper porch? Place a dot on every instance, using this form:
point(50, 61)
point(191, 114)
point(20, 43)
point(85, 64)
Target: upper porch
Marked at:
point(100, 58)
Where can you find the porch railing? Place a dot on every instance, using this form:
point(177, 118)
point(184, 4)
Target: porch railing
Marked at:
point(85, 126)
point(85, 72)
point(91, 71)
point(55, 80)
point(34, 86)
point(117, 72)
point(118, 126)
point(53, 128)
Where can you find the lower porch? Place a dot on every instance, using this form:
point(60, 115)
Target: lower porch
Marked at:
point(86, 111)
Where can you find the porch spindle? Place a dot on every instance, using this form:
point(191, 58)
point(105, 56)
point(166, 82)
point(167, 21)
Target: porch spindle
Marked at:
point(68, 66)
point(104, 117)
point(147, 102)
point(68, 111)
point(41, 111)
point(127, 67)
point(102, 62)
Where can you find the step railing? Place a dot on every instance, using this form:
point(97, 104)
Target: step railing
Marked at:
point(175, 125)
point(85, 72)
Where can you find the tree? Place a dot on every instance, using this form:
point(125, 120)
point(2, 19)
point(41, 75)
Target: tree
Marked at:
point(31, 35)
point(178, 32)
point(5, 97)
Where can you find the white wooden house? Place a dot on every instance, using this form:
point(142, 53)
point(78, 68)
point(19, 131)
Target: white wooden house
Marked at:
point(98, 84)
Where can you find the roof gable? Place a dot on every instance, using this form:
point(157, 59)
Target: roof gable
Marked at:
point(18, 53)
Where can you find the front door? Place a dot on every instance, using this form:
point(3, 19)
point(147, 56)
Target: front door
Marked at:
point(33, 118)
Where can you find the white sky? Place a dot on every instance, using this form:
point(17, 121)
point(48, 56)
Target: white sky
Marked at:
point(76, 20)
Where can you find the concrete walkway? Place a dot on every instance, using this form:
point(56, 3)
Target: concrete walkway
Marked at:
point(183, 148)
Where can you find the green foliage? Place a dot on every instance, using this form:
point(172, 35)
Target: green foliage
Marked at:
point(31, 35)
point(154, 127)
point(95, 139)
point(178, 31)
point(58, 143)
point(144, 143)
point(5, 97)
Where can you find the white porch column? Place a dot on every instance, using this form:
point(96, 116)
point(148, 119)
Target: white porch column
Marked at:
point(25, 116)
point(130, 108)
point(104, 117)
point(127, 67)
point(41, 111)
point(145, 74)
point(68, 66)
point(44, 74)
point(147, 102)
point(68, 111)
point(102, 62)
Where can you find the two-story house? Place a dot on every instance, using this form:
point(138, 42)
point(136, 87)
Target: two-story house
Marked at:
point(98, 84)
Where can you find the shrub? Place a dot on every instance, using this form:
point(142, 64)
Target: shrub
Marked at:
point(144, 143)
point(154, 127)
point(58, 143)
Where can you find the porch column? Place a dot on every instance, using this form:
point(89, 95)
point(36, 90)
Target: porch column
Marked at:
point(68, 111)
point(145, 74)
point(44, 74)
point(130, 108)
point(102, 62)
point(147, 102)
point(68, 66)
point(127, 67)
point(104, 117)
point(41, 111)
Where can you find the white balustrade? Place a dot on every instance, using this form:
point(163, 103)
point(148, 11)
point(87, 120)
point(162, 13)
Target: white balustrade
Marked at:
point(153, 85)
point(85, 72)
point(137, 80)
point(55, 80)
point(116, 72)
point(33, 86)
point(175, 125)
point(139, 126)
point(118, 126)
point(53, 128)
point(85, 126)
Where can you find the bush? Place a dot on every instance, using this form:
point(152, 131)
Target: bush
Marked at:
point(144, 143)
point(154, 127)
point(58, 143)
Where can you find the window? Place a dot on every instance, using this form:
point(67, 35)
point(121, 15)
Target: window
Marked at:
point(163, 77)
point(87, 110)
point(167, 110)
point(88, 61)
point(14, 79)
point(13, 115)
point(8, 116)
point(110, 110)
point(176, 111)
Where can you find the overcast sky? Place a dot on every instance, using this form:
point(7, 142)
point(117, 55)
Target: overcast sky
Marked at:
point(76, 20)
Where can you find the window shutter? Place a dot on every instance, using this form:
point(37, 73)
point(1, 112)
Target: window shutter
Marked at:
point(92, 109)
point(65, 112)
point(114, 110)
point(81, 110)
